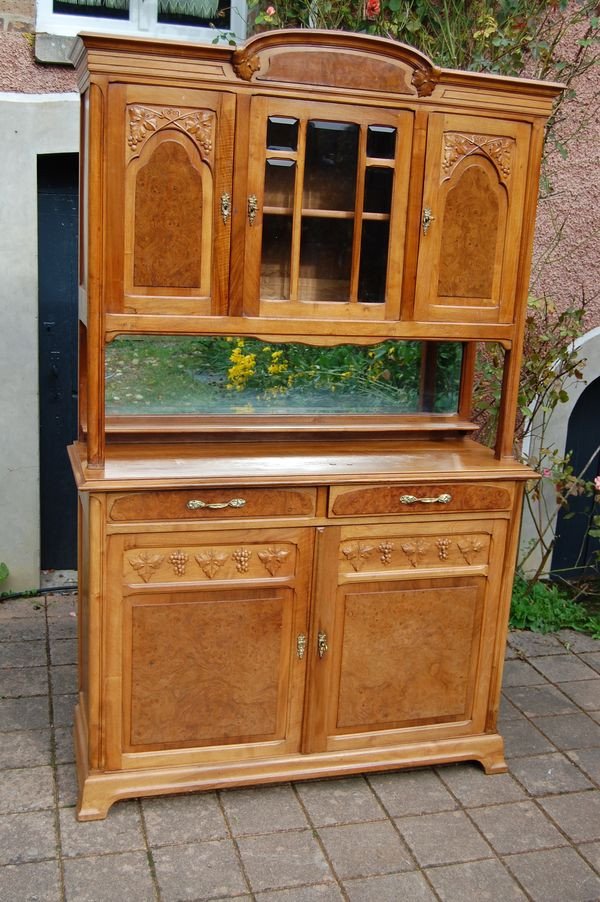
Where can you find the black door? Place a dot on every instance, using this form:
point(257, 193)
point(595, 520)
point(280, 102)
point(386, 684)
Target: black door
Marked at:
point(575, 550)
point(57, 279)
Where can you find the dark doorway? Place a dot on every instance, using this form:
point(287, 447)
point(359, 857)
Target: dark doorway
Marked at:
point(574, 548)
point(57, 279)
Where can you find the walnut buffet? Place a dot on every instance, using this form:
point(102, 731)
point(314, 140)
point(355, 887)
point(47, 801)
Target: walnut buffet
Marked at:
point(313, 579)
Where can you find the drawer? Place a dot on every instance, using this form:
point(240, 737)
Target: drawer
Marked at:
point(213, 504)
point(440, 498)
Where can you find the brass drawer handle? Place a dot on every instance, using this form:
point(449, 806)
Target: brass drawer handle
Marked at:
point(412, 499)
point(195, 505)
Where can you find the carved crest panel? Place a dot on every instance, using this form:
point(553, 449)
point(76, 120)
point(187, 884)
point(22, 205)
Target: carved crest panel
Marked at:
point(210, 563)
point(413, 553)
point(144, 121)
point(457, 146)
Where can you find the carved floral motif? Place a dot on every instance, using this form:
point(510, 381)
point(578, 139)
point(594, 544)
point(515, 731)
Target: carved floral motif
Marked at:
point(146, 564)
point(178, 561)
point(415, 550)
point(245, 64)
point(357, 553)
point(443, 546)
point(211, 562)
point(425, 80)
point(457, 146)
point(470, 548)
point(273, 558)
point(242, 556)
point(197, 124)
point(385, 549)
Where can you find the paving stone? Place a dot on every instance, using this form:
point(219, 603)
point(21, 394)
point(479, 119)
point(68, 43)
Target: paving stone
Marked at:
point(96, 879)
point(361, 850)
point(578, 642)
point(412, 792)
point(121, 831)
point(187, 818)
point(540, 700)
point(546, 774)
point(563, 668)
point(282, 860)
point(558, 875)
point(63, 679)
point(63, 710)
point(595, 715)
point(592, 660)
point(532, 644)
point(66, 779)
point(20, 682)
point(23, 629)
point(24, 713)
point(323, 892)
point(25, 748)
point(520, 673)
point(507, 710)
point(585, 693)
point(475, 881)
point(570, 731)
point(62, 628)
point(518, 827)
point(64, 749)
point(15, 608)
point(264, 809)
point(443, 838)
point(63, 651)
point(473, 787)
point(35, 882)
point(23, 654)
point(591, 851)
point(588, 760)
point(26, 789)
point(578, 814)
point(339, 801)
point(521, 738)
point(28, 836)
point(410, 887)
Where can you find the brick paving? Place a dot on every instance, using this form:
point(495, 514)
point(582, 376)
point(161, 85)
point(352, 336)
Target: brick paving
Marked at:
point(446, 833)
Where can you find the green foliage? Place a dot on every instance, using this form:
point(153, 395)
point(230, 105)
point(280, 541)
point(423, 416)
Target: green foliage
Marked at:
point(543, 608)
point(3, 572)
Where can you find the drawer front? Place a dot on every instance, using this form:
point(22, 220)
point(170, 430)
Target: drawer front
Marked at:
point(440, 498)
point(213, 504)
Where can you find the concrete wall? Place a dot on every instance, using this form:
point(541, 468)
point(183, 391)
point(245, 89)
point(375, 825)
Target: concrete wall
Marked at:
point(29, 125)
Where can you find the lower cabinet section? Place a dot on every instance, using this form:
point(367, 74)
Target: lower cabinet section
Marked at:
point(219, 656)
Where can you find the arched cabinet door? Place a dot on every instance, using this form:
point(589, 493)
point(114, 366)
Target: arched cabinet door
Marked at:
point(169, 200)
point(471, 224)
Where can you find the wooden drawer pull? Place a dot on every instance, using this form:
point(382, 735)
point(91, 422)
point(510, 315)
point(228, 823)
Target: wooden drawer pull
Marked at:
point(195, 505)
point(412, 499)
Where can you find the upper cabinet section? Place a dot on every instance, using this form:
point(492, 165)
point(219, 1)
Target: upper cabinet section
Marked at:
point(306, 183)
point(169, 167)
point(472, 219)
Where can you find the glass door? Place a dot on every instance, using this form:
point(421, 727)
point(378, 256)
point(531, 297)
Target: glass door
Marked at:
point(326, 210)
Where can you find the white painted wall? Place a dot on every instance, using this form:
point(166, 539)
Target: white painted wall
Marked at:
point(29, 125)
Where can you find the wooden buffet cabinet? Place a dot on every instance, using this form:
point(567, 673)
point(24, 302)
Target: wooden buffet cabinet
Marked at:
point(314, 581)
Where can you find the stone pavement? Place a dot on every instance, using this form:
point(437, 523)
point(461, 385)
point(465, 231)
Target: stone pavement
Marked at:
point(447, 833)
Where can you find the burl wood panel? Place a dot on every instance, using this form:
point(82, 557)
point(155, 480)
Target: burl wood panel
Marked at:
point(470, 234)
point(208, 670)
point(340, 70)
point(386, 499)
point(173, 505)
point(168, 220)
point(409, 656)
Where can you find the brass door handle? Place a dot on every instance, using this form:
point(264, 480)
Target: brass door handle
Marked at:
point(225, 207)
point(322, 646)
point(412, 499)
point(252, 208)
point(194, 504)
point(427, 219)
point(300, 645)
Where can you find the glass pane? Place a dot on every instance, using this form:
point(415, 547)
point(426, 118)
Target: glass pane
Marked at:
point(378, 189)
point(275, 257)
point(109, 9)
point(373, 261)
point(447, 376)
point(229, 376)
point(282, 133)
point(279, 183)
point(325, 259)
point(195, 12)
point(381, 142)
point(330, 166)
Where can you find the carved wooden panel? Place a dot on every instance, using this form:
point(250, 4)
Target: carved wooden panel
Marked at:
point(409, 655)
point(208, 562)
point(413, 552)
point(405, 499)
point(209, 668)
point(471, 225)
point(173, 505)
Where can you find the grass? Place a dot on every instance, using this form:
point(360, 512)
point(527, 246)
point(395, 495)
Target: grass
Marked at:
point(544, 607)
